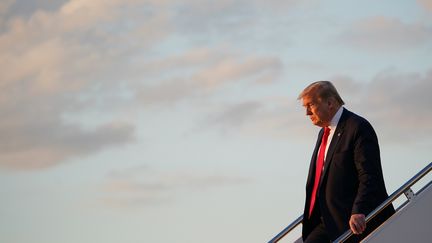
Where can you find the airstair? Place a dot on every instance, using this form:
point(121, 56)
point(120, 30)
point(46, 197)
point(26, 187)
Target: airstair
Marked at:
point(410, 223)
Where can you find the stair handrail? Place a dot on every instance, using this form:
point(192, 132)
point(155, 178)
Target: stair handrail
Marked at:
point(288, 229)
point(404, 188)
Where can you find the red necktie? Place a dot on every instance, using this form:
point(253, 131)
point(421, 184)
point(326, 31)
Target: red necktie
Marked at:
point(319, 167)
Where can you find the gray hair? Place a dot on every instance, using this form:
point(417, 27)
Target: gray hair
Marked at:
point(322, 90)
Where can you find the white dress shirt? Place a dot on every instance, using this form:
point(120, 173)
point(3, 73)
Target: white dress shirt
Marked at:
point(333, 124)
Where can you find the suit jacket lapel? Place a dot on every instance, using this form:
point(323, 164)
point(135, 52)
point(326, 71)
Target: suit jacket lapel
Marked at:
point(334, 142)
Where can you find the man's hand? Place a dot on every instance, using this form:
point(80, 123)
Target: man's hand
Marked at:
point(357, 223)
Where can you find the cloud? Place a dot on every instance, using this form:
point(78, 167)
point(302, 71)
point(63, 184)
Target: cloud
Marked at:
point(45, 143)
point(64, 62)
point(211, 17)
point(65, 49)
point(83, 56)
point(225, 20)
point(402, 99)
point(5, 5)
point(386, 34)
point(396, 103)
point(26, 8)
point(277, 117)
point(201, 72)
point(143, 186)
point(236, 115)
point(231, 69)
point(426, 4)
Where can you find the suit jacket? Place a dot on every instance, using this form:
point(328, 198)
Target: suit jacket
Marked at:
point(352, 181)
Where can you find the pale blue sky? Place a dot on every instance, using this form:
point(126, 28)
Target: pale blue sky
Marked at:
point(178, 121)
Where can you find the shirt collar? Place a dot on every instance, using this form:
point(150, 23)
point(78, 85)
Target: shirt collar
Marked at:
point(335, 120)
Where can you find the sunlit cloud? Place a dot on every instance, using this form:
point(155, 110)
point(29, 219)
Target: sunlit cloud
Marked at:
point(404, 99)
point(397, 102)
point(386, 34)
point(201, 72)
point(236, 115)
point(143, 186)
point(56, 63)
point(426, 4)
point(5, 5)
point(49, 61)
point(276, 117)
point(229, 70)
point(87, 56)
point(391, 97)
point(197, 91)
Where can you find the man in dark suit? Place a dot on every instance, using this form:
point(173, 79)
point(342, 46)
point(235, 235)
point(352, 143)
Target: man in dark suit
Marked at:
point(345, 181)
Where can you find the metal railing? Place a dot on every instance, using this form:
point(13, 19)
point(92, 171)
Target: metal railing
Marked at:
point(288, 229)
point(404, 189)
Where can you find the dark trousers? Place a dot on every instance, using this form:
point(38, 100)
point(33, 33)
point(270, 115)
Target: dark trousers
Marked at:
point(319, 233)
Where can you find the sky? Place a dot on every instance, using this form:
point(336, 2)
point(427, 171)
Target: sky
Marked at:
point(178, 121)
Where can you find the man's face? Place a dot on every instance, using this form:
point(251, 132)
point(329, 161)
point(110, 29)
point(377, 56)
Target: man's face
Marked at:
point(318, 111)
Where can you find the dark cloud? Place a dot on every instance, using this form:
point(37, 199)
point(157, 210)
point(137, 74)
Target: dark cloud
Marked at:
point(26, 8)
point(34, 136)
